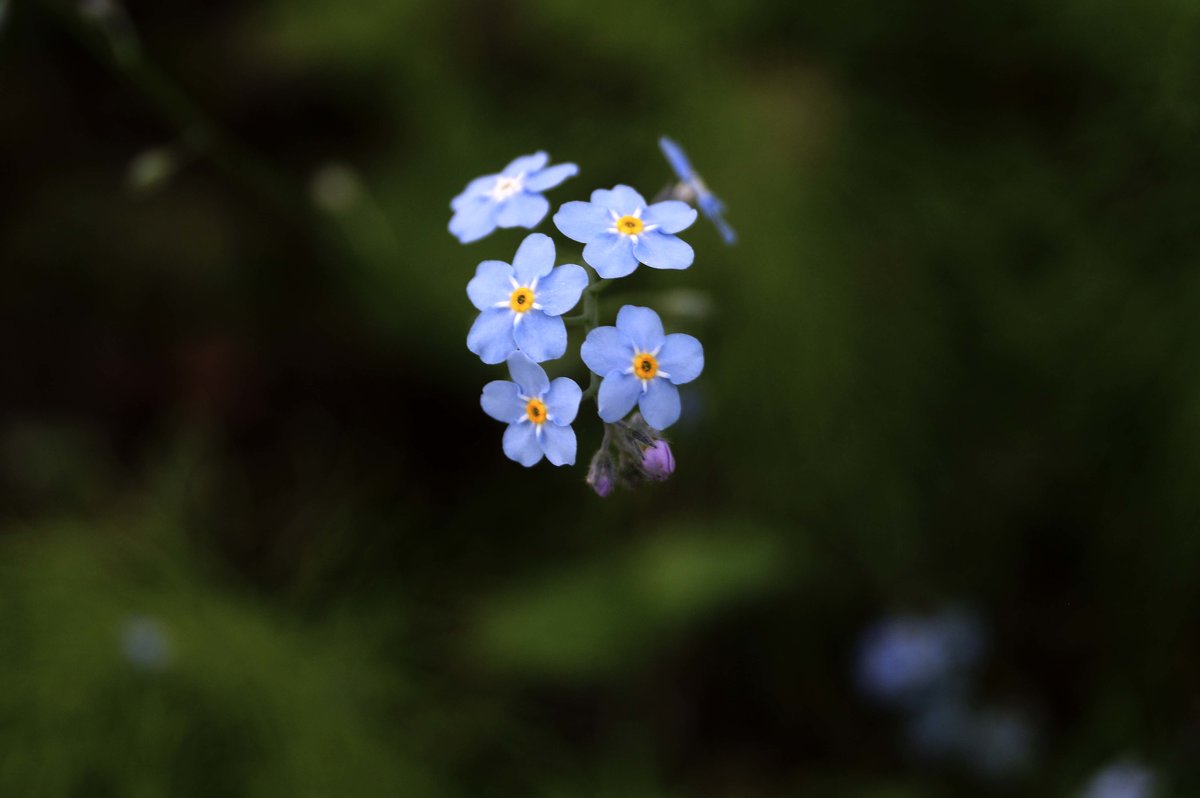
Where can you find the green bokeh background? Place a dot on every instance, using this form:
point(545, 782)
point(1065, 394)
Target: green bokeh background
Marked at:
point(952, 359)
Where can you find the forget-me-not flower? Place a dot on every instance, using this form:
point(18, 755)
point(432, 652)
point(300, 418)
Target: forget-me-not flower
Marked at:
point(538, 413)
point(520, 305)
point(1000, 743)
point(1122, 780)
point(512, 198)
point(909, 660)
point(692, 187)
point(641, 366)
point(620, 230)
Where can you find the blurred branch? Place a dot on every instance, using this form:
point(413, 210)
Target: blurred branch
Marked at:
point(103, 28)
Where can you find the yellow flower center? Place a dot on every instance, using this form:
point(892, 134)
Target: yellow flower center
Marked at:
point(521, 300)
point(630, 225)
point(536, 411)
point(645, 367)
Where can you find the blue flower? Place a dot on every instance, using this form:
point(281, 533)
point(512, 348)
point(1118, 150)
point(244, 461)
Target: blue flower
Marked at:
point(641, 366)
point(520, 304)
point(512, 198)
point(538, 412)
point(691, 187)
point(909, 660)
point(620, 231)
point(1001, 743)
point(1125, 779)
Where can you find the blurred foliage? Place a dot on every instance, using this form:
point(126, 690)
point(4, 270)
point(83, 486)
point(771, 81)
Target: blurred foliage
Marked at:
point(952, 358)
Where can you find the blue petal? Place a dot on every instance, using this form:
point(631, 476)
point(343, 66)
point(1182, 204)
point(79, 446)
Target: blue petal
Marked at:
point(660, 404)
point(622, 199)
point(478, 187)
point(663, 251)
point(502, 401)
point(670, 216)
point(540, 336)
point(491, 336)
point(522, 210)
point(607, 349)
point(611, 255)
point(559, 291)
point(474, 219)
point(562, 400)
point(529, 376)
point(709, 204)
point(492, 283)
point(642, 326)
point(618, 394)
point(582, 221)
point(682, 357)
point(558, 443)
point(677, 158)
point(547, 179)
point(534, 258)
point(713, 208)
point(526, 164)
point(521, 444)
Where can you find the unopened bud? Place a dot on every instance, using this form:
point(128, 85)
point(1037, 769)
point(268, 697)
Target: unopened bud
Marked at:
point(658, 461)
point(601, 474)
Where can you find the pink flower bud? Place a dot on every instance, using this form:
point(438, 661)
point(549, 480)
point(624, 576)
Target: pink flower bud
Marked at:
point(658, 461)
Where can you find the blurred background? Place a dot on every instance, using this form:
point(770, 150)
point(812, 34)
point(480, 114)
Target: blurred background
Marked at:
point(933, 530)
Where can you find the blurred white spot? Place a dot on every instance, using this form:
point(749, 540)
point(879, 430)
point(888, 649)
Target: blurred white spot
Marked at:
point(98, 10)
point(335, 188)
point(151, 169)
point(687, 302)
point(145, 644)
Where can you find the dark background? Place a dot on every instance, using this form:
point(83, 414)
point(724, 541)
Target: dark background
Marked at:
point(953, 359)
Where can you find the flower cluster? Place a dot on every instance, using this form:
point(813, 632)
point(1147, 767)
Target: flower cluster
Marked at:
point(635, 364)
point(924, 667)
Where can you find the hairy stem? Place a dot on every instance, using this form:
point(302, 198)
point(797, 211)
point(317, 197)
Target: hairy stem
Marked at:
point(590, 318)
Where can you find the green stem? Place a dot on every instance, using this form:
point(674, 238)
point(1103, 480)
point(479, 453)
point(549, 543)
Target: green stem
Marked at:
point(590, 317)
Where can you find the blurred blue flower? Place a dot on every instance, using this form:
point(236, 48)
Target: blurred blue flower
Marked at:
point(520, 305)
point(538, 413)
point(938, 729)
point(692, 188)
point(1124, 779)
point(641, 366)
point(619, 231)
point(144, 643)
point(512, 198)
point(1000, 743)
point(906, 660)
